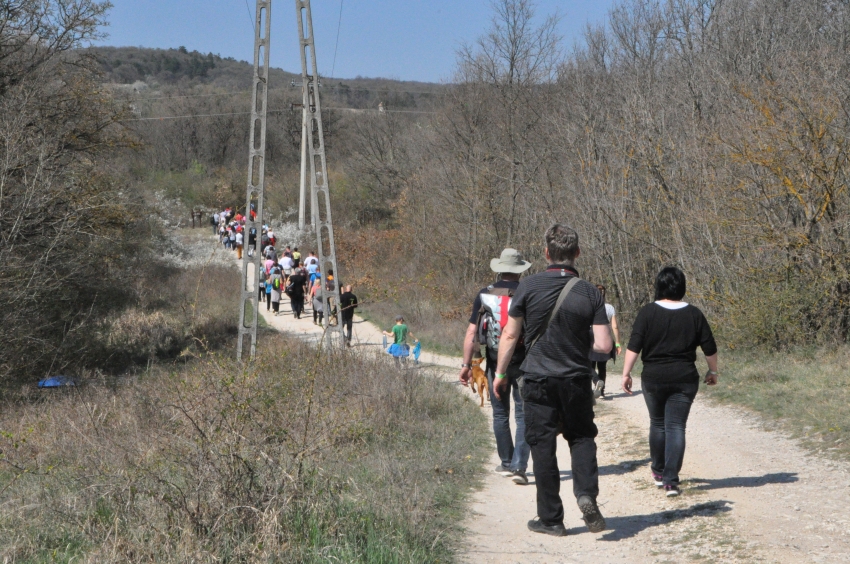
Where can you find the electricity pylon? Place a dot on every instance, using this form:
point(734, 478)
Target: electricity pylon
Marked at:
point(250, 299)
point(320, 202)
point(313, 138)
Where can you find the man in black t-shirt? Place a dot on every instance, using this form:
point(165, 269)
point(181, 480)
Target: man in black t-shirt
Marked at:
point(514, 455)
point(556, 386)
point(348, 303)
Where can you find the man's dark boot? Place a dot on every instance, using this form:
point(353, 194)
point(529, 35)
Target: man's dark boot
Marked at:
point(537, 526)
point(591, 515)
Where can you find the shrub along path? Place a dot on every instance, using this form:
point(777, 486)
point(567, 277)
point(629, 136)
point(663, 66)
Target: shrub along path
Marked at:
point(749, 494)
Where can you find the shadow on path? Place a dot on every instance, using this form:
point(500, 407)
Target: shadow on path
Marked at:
point(743, 481)
point(620, 528)
point(634, 393)
point(625, 467)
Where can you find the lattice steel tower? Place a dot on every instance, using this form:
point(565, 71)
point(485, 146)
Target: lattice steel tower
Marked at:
point(320, 201)
point(320, 198)
point(249, 310)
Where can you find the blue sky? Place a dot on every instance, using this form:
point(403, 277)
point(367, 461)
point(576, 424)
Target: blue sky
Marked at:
point(402, 39)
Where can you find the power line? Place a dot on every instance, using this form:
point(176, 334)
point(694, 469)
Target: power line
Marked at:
point(250, 17)
point(338, 27)
point(355, 110)
point(190, 116)
point(349, 88)
point(236, 93)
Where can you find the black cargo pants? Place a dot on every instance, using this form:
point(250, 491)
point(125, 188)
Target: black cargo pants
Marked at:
point(553, 406)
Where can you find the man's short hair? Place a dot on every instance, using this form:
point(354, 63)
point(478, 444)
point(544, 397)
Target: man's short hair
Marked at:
point(562, 243)
point(670, 284)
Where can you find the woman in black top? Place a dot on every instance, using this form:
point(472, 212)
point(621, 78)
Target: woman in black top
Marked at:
point(667, 333)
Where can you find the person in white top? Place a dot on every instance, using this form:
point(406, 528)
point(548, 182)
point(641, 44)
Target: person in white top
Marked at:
point(286, 265)
point(240, 240)
point(599, 361)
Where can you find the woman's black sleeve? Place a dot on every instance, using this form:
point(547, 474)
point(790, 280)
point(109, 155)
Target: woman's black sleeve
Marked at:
point(706, 338)
point(638, 331)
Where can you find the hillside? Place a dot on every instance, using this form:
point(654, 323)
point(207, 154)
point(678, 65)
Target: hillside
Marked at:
point(142, 69)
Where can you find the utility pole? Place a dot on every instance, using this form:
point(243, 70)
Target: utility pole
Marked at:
point(320, 197)
point(249, 302)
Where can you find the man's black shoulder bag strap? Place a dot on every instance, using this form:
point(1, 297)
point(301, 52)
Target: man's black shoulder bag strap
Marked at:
point(561, 297)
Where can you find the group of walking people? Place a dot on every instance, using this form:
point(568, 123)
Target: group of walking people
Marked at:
point(287, 273)
point(288, 277)
point(547, 339)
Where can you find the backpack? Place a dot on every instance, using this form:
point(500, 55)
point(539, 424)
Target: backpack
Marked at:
point(276, 283)
point(493, 316)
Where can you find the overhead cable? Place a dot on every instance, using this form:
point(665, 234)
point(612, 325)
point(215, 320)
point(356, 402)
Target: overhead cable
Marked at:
point(355, 110)
point(238, 92)
point(336, 47)
point(250, 17)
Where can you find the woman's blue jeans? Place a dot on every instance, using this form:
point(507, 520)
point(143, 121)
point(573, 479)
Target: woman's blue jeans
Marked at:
point(669, 406)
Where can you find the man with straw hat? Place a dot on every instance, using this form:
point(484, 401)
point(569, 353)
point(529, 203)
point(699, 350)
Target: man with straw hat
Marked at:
point(485, 324)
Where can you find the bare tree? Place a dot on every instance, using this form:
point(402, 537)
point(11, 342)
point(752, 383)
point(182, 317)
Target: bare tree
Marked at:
point(62, 219)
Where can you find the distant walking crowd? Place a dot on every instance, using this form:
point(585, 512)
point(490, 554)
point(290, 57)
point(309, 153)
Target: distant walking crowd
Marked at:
point(286, 273)
point(547, 339)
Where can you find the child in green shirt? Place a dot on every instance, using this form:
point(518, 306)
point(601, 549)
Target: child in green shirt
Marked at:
point(399, 333)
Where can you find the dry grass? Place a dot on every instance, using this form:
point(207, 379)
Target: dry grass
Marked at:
point(297, 457)
point(805, 389)
point(425, 318)
point(178, 313)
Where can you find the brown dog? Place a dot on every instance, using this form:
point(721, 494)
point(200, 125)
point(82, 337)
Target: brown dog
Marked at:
point(478, 377)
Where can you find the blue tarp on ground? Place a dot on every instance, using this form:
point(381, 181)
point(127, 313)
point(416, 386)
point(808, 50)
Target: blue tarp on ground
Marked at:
point(56, 382)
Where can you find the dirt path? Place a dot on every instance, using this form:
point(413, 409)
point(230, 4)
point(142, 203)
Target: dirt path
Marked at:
point(366, 337)
point(749, 495)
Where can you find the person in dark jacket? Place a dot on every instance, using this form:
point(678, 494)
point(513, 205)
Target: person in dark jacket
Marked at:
point(666, 333)
point(348, 302)
point(297, 288)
